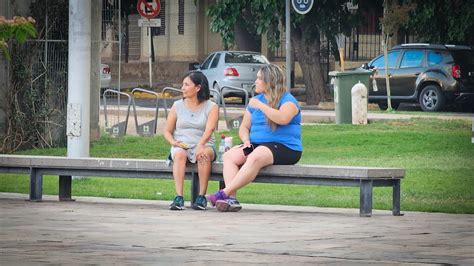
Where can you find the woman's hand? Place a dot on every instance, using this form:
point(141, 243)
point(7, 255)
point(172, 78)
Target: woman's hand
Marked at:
point(247, 143)
point(254, 103)
point(201, 155)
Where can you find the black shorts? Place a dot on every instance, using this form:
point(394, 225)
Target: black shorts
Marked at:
point(282, 155)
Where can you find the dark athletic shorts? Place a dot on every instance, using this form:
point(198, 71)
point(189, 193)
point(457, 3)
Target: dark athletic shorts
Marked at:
point(282, 155)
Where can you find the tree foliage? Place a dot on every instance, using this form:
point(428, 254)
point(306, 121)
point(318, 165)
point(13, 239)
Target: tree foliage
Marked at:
point(18, 28)
point(326, 18)
point(443, 21)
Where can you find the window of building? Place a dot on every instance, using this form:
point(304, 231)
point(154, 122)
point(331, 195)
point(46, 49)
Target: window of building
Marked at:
point(161, 16)
point(181, 17)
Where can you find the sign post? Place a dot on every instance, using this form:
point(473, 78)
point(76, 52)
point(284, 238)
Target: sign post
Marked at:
point(302, 6)
point(149, 9)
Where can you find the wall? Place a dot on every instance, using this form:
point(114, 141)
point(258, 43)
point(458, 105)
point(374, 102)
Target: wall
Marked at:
point(173, 46)
point(196, 42)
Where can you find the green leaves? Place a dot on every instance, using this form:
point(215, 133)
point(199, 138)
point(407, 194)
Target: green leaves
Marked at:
point(442, 21)
point(18, 28)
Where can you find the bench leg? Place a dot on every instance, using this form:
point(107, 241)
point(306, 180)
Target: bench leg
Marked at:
point(194, 186)
point(65, 184)
point(396, 198)
point(365, 209)
point(221, 184)
point(36, 185)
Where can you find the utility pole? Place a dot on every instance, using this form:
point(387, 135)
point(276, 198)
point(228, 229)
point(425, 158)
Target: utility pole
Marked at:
point(79, 73)
point(288, 44)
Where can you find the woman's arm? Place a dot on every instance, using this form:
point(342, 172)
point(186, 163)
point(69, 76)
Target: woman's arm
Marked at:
point(211, 123)
point(170, 126)
point(244, 130)
point(280, 116)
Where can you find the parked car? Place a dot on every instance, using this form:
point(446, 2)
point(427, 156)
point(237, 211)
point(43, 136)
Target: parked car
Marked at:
point(105, 77)
point(430, 74)
point(232, 68)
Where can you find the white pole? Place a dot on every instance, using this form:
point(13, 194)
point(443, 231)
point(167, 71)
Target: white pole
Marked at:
point(288, 45)
point(149, 58)
point(79, 70)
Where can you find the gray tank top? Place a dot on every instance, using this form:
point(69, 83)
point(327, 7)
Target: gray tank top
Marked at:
point(190, 125)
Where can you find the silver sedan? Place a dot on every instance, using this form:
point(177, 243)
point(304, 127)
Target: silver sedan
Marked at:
point(227, 69)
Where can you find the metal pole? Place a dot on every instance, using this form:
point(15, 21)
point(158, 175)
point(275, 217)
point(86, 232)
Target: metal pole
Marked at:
point(119, 56)
point(149, 58)
point(120, 45)
point(288, 45)
point(79, 71)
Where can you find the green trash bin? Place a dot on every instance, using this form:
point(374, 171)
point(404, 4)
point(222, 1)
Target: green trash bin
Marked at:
point(343, 83)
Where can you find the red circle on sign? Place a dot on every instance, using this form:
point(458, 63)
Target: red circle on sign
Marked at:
point(148, 10)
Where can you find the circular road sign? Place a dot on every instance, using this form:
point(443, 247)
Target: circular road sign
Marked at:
point(148, 9)
point(302, 6)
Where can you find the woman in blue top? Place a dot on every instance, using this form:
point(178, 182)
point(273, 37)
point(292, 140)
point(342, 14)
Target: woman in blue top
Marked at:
point(270, 132)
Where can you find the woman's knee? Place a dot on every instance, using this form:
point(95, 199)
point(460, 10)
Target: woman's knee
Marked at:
point(234, 156)
point(180, 156)
point(260, 157)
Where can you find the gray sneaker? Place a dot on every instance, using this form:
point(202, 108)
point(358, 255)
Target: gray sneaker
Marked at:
point(177, 204)
point(228, 205)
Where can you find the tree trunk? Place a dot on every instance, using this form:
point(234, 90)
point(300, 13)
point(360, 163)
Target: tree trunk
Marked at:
point(307, 53)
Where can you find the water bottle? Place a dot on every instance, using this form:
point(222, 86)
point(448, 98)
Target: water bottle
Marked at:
point(221, 149)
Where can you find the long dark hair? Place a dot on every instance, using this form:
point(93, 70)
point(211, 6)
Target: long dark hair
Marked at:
point(198, 78)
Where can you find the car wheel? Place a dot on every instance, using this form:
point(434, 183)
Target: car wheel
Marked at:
point(383, 105)
point(431, 99)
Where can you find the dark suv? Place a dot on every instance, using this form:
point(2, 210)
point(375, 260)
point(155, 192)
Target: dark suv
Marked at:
point(432, 75)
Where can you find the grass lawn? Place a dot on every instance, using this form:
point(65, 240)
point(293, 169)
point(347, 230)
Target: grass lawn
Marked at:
point(437, 154)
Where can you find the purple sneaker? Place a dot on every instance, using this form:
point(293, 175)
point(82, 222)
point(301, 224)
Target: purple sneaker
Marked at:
point(228, 205)
point(219, 195)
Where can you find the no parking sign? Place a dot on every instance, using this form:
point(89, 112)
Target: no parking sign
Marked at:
point(148, 9)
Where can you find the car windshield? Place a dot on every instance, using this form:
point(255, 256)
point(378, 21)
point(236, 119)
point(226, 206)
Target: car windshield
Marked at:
point(243, 58)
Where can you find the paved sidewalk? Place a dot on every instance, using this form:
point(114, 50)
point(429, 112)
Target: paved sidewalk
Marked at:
point(117, 231)
point(309, 116)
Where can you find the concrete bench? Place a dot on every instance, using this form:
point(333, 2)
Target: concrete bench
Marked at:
point(363, 177)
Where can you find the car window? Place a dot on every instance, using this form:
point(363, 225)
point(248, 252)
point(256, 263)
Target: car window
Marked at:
point(215, 61)
point(206, 63)
point(243, 58)
point(464, 57)
point(434, 58)
point(392, 60)
point(412, 58)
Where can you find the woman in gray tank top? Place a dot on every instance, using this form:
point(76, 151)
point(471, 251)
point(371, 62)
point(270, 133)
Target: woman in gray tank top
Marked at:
point(190, 131)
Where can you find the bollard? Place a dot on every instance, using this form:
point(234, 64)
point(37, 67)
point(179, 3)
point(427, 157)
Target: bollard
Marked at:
point(359, 104)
